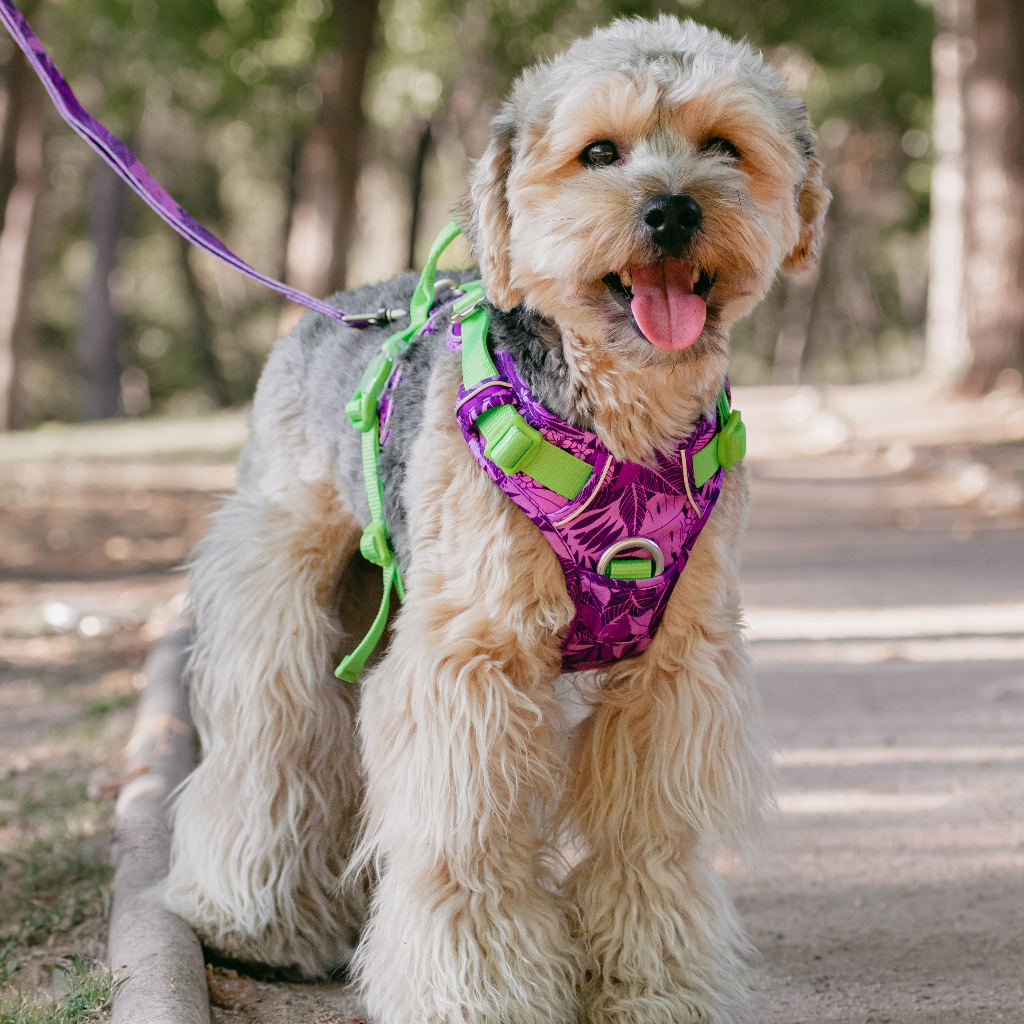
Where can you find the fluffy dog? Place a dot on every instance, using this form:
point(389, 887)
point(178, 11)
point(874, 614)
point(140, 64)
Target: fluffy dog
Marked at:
point(464, 784)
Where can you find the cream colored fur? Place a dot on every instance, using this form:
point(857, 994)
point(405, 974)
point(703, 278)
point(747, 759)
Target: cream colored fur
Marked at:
point(519, 871)
point(263, 827)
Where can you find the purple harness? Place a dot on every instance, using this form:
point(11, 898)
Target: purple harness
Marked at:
point(621, 504)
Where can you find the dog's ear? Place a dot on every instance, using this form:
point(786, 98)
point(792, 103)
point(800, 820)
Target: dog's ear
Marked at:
point(812, 202)
point(490, 226)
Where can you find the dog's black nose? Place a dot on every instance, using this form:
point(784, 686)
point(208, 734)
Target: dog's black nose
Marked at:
point(672, 220)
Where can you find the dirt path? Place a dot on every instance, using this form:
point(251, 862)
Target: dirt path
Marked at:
point(897, 894)
point(897, 891)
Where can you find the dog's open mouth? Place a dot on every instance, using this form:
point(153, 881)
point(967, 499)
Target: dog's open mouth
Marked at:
point(667, 300)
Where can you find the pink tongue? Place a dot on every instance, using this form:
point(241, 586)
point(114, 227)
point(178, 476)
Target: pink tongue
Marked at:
point(664, 305)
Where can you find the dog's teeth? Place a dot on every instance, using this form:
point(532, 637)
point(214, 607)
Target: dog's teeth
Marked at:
point(626, 278)
point(695, 276)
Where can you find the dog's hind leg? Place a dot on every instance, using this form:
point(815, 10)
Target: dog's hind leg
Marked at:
point(671, 760)
point(460, 753)
point(264, 825)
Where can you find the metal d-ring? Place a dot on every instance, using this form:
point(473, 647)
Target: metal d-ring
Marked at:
point(628, 544)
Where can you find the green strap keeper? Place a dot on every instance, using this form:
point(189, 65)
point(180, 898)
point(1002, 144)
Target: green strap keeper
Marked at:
point(630, 569)
point(516, 447)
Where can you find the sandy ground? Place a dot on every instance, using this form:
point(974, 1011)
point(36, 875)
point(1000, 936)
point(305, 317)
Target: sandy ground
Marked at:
point(896, 892)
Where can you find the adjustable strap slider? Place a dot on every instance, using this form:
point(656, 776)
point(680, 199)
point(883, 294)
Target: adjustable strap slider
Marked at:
point(732, 441)
point(725, 448)
point(516, 447)
point(467, 305)
point(361, 408)
point(373, 545)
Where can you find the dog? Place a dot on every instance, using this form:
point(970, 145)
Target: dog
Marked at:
point(449, 828)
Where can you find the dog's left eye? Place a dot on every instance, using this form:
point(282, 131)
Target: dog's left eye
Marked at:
point(600, 154)
point(722, 147)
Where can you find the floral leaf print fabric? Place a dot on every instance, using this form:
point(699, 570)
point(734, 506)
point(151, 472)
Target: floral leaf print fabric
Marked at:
point(615, 619)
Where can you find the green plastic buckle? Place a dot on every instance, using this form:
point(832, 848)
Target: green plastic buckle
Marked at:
point(517, 446)
point(373, 545)
point(732, 441)
point(361, 408)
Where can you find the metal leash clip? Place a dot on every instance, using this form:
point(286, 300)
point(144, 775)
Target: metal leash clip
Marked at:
point(378, 319)
point(462, 308)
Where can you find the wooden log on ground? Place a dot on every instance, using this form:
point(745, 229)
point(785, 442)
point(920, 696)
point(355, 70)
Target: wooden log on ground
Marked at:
point(154, 949)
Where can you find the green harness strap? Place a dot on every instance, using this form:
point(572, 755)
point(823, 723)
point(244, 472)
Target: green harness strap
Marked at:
point(726, 448)
point(361, 409)
point(512, 444)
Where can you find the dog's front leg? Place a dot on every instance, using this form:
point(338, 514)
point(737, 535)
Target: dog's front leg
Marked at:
point(460, 757)
point(672, 758)
point(263, 826)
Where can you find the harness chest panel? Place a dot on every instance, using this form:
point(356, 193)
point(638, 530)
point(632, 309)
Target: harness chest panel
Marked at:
point(615, 618)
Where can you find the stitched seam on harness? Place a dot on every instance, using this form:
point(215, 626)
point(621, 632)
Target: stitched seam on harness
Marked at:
point(686, 480)
point(483, 387)
point(593, 494)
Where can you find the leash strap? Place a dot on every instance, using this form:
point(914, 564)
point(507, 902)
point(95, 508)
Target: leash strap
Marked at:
point(131, 171)
point(375, 544)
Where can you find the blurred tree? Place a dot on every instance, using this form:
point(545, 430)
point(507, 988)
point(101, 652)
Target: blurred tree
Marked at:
point(212, 94)
point(98, 338)
point(976, 314)
point(324, 215)
point(21, 170)
point(994, 271)
point(948, 353)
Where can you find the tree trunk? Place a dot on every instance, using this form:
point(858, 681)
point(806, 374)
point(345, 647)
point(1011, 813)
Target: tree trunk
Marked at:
point(947, 352)
point(98, 339)
point(994, 277)
point(203, 327)
point(324, 215)
point(416, 189)
point(21, 178)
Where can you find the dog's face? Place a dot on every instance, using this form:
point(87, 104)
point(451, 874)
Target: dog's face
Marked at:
point(643, 190)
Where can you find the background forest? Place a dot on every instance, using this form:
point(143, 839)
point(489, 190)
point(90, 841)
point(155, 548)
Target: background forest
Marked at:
point(326, 141)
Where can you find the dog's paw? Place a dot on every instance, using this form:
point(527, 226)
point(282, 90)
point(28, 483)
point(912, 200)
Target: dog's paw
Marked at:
point(613, 1000)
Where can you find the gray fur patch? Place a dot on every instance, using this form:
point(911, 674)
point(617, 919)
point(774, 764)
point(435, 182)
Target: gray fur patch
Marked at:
point(317, 366)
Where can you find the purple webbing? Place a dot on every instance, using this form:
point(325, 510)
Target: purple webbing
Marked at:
point(124, 162)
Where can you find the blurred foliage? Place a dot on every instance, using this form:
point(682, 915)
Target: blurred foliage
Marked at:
point(210, 97)
point(864, 70)
point(216, 98)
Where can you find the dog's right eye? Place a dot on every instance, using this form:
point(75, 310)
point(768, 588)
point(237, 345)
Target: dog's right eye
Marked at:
point(721, 146)
point(600, 154)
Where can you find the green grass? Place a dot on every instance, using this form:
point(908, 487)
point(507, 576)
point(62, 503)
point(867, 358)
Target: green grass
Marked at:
point(55, 868)
point(90, 989)
point(59, 863)
point(103, 706)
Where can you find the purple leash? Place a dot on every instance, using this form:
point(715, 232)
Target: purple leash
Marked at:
point(124, 162)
